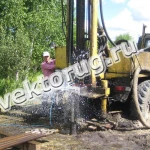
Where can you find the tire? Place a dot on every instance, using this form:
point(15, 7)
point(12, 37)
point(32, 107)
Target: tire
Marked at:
point(143, 92)
point(144, 98)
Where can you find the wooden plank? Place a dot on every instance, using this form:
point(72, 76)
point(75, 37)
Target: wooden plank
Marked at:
point(31, 145)
point(18, 139)
point(14, 140)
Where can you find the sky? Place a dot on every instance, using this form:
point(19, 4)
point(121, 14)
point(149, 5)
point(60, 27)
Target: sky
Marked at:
point(126, 16)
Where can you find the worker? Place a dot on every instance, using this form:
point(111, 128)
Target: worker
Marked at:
point(48, 65)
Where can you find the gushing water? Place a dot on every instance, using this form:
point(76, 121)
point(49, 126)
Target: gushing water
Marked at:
point(60, 106)
point(57, 107)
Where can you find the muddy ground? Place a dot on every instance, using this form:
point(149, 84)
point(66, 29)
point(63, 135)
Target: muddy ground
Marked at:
point(120, 133)
point(100, 140)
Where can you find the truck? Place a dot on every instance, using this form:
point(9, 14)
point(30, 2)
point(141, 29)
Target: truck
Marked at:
point(119, 74)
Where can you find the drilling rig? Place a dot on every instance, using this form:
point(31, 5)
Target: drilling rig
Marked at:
point(116, 73)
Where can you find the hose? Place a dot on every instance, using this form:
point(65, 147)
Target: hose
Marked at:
point(103, 24)
point(135, 95)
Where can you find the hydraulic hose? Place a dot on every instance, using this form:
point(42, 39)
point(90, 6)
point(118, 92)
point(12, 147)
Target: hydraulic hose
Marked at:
point(135, 95)
point(103, 24)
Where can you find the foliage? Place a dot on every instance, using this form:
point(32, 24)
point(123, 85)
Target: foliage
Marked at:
point(125, 36)
point(27, 28)
point(109, 44)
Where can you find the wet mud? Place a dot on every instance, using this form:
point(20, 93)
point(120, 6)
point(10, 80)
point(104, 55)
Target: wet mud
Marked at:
point(117, 132)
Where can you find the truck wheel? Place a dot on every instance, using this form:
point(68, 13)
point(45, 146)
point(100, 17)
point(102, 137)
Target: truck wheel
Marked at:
point(144, 98)
point(141, 96)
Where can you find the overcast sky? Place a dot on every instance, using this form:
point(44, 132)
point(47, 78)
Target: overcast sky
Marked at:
point(126, 16)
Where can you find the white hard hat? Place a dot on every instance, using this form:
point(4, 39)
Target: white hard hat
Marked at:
point(46, 54)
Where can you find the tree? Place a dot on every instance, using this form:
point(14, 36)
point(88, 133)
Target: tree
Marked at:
point(27, 28)
point(125, 36)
